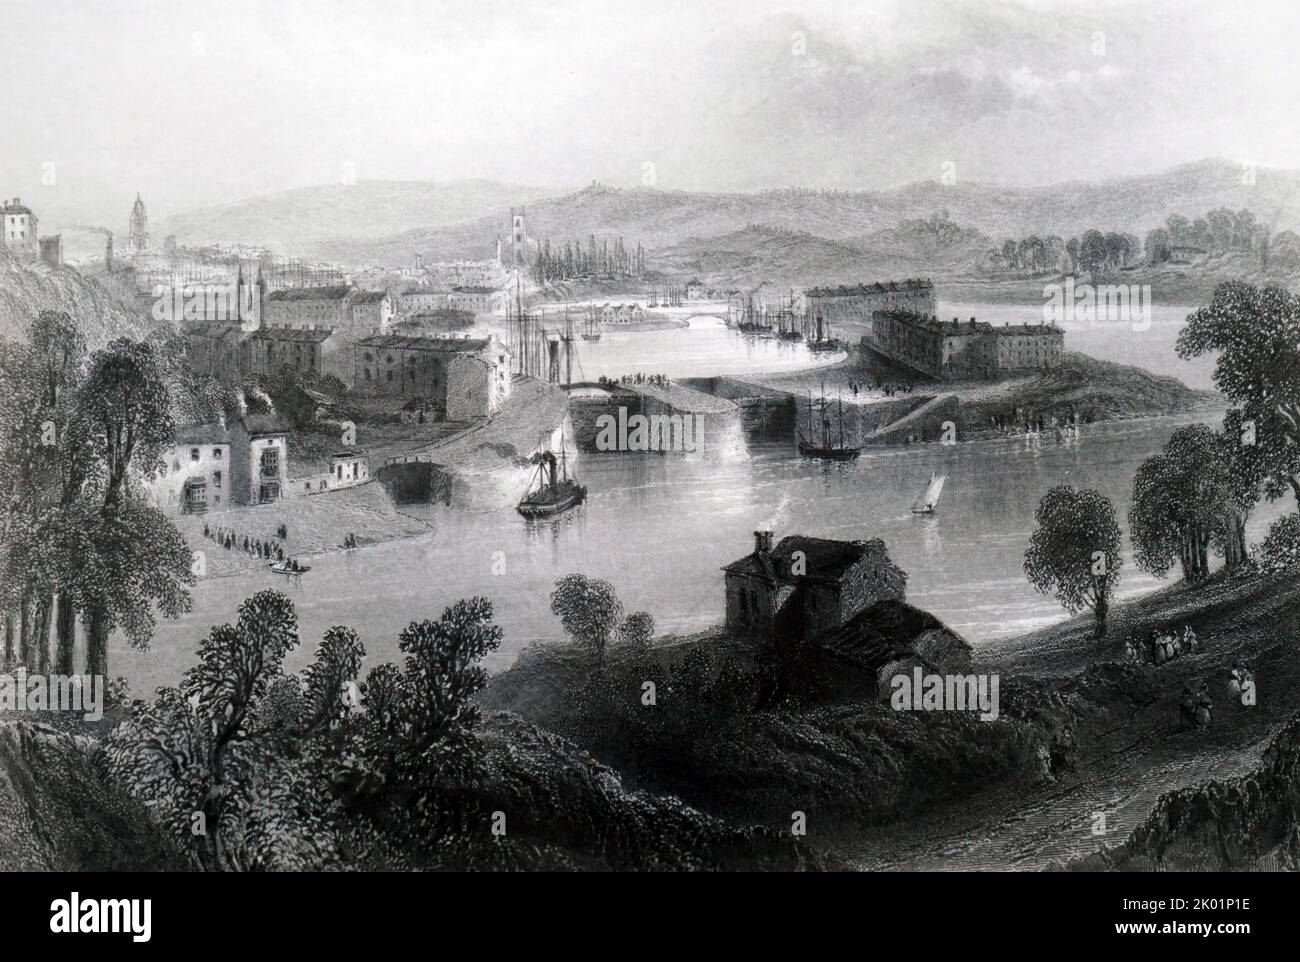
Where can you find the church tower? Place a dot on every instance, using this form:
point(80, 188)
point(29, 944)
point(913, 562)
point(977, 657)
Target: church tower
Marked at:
point(138, 240)
point(518, 239)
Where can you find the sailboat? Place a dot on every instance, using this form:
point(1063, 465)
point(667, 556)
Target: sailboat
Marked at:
point(929, 498)
point(551, 491)
point(826, 451)
point(592, 333)
point(823, 341)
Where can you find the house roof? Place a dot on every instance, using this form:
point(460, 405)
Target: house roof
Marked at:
point(879, 287)
point(1029, 329)
point(335, 292)
point(824, 559)
point(439, 345)
point(878, 634)
point(471, 289)
point(309, 336)
point(964, 328)
point(263, 424)
point(369, 297)
point(210, 433)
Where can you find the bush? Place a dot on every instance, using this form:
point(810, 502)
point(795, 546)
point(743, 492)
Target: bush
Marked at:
point(1280, 551)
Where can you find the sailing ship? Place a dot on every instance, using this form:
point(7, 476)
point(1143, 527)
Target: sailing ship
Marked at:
point(822, 340)
point(592, 333)
point(754, 321)
point(551, 491)
point(929, 499)
point(787, 323)
point(826, 451)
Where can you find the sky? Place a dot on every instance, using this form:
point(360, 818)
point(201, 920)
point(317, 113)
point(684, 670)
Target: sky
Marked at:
point(195, 104)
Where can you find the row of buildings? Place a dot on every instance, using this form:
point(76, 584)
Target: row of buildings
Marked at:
point(211, 467)
point(477, 299)
point(959, 350)
point(898, 320)
point(615, 314)
point(848, 308)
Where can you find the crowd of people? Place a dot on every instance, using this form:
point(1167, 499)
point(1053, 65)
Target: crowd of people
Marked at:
point(658, 380)
point(1162, 646)
point(256, 547)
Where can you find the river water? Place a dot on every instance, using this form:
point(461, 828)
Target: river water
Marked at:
point(660, 529)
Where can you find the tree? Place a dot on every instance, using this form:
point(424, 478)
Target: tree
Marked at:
point(1074, 551)
point(1255, 334)
point(126, 411)
point(1072, 248)
point(637, 629)
point(442, 676)
point(1156, 246)
point(1280, 552)
point(589, 610)
point(1183, 502)
point(211, 758)
point(45, 469)
point(124, 416)
point(1092, 252)
point(286, 774)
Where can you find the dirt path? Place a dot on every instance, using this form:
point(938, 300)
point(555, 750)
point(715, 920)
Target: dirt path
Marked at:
point(1124, 764)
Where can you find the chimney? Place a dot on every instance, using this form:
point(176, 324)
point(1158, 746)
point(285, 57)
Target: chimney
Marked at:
point(762, 542)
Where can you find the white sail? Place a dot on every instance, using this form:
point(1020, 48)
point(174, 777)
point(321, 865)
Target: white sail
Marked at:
point(930, 496)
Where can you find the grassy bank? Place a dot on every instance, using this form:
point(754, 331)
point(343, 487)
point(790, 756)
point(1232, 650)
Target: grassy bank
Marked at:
point(316, 524)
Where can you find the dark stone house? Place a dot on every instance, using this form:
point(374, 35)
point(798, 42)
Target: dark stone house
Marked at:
point(806, 586)
point(890, 638)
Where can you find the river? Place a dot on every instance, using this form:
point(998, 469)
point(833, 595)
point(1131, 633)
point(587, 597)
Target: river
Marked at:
point(660, 529)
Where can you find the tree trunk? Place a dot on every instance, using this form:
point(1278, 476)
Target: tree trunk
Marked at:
point(9, 639)
point(97, 644)
point(65, 633)
point(1100, 610)
point(25, 630)
point(1234, 553)
point(43, 608)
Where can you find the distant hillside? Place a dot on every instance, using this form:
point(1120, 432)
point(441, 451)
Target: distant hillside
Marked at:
point(299, 221)
point(664, 219)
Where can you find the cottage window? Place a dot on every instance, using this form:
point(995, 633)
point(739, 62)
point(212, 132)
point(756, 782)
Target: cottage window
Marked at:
point(216, 479)
point(194, 454)
point(216, 453)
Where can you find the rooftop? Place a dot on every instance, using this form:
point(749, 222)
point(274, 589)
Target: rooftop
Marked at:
point(333, 293)
point(210, 433)
point(263, 424)
point(442, 345)
point(958, 327)
point(879, 633)
point(824, 559)
point(311, 336)
point(879, 287)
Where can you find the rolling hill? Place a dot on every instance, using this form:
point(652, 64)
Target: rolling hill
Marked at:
point(663, 219)
point(298, 222)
